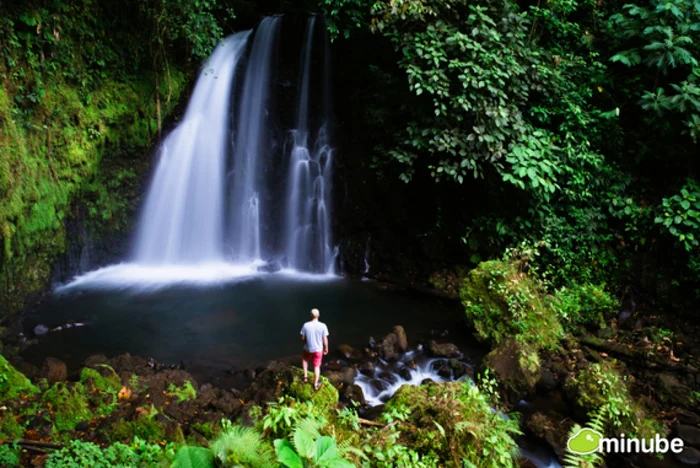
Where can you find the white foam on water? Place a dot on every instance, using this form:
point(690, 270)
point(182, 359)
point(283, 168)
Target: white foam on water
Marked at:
point(148, 278)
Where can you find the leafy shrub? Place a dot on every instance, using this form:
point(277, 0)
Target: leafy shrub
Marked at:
point(80, 454)
point(501, 300)
point(9, 456)
point(309, 449)
point(585, 304)
point(241, 446)
point(453, 423)
point(600, 389)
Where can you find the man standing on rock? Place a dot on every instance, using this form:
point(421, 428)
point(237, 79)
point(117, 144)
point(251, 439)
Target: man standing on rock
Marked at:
point(314, 334)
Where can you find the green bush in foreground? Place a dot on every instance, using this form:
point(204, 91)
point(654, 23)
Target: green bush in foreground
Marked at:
point(453, 423)
point(80, 454)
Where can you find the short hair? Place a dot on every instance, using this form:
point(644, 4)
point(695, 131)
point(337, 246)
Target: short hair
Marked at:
point(315, 313)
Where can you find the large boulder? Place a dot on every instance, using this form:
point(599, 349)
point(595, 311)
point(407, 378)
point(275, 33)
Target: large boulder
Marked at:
point(447, 350)
point(350, 353)
point(516, 367)
point(401, 338)
point(54, 370)
point(389, 348)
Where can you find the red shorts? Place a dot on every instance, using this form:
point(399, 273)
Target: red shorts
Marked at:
point(317, 356)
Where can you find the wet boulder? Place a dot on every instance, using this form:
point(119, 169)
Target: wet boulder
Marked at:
point(442, 368)
point(401, 339)
point(516, 367)
point(350, 353)
point(447, 350)
point(389, 348)
point(54, 370)
point(552, 428)
point(353, 393)
point(368, 368)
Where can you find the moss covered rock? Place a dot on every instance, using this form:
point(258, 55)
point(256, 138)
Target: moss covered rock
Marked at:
point(517, 368)
point(325, 398)
point(102, 385)
point(13, 383)
point(9, 427)
point(501, 300)
point(68, 404)
point(454, 423)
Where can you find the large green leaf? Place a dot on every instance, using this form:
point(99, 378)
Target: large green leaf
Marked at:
point(304, 444)
point(193, 457)
point(326, 449)
point(286, 454)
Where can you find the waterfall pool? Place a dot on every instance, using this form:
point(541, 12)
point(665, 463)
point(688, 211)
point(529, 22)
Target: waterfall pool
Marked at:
point(231, 324)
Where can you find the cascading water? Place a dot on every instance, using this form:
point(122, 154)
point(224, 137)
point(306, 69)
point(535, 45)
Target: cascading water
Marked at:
point(251, 145)
point(181, 221)
point(210, 215)
point(308, 234)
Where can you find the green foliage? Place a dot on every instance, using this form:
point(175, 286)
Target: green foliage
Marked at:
point(83, 85)
point(502, 300)
point(585, 304)
point(602, 391)
point(9, 456)
point(241, 446)
point(454, 424)
point(13, 383)
point(102, 388)
point(68, 403)
point(10, 429)
point(184, 393)
point(78, 454)
point(309, 448)
point(193, 457)
point(146, 427)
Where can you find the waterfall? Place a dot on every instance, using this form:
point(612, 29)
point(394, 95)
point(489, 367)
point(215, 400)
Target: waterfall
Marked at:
point(308, 233)
point(181, 221)
point(251, 145)
point(213, 211)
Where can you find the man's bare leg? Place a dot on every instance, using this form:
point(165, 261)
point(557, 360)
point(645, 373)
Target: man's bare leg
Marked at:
point(317, 374)
point(305, 368)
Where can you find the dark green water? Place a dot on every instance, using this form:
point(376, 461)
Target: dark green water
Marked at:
point(235, 325)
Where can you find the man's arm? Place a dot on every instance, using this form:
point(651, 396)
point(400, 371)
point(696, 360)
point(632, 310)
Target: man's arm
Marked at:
point(325, 344)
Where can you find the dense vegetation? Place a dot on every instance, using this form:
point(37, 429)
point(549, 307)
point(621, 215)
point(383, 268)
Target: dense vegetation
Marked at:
point(575, 123)
point(579, 119)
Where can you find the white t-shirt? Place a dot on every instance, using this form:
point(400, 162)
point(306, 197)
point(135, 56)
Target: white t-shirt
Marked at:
point(314, 331)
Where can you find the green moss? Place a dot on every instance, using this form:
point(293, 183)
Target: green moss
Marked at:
point(501, 300)
point(145, 428)
point(102, 388)
point(69, 405)
point(53, 154)
point(9, 427)
point(206, 429)
point(325, 398)
point(454, 423)
point(13, 383)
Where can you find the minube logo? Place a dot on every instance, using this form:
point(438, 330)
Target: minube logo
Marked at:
point(587, 441)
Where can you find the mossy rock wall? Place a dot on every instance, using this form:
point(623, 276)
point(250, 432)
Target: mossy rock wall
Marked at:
point(66, 149)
